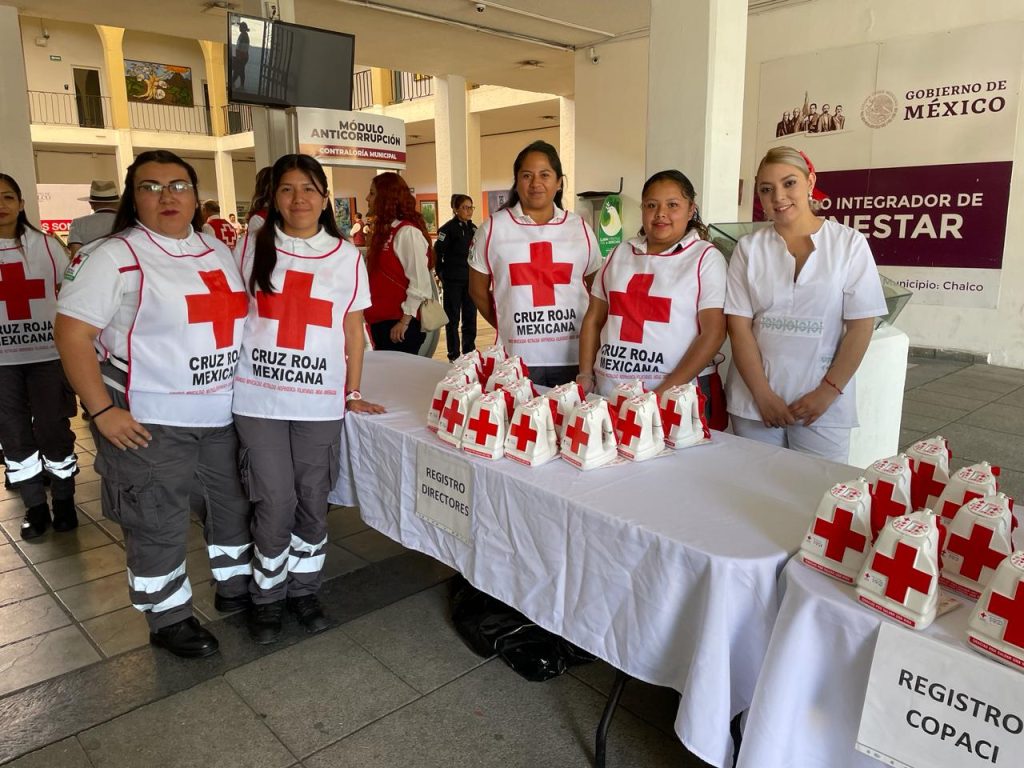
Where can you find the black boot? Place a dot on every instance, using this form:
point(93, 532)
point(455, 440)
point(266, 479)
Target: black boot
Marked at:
point(310, 614)
point(37, 520)
point(186, 639)
point(265, 622)
point(65, 517)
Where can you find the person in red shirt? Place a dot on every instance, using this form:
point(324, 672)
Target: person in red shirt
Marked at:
point(220, 228)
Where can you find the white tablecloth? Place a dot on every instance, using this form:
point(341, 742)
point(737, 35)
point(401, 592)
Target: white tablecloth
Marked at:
point(806, 708)
point(666, 569)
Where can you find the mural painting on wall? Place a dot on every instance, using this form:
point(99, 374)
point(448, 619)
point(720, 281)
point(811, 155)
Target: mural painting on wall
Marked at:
point(913, 142)
point(158, 83)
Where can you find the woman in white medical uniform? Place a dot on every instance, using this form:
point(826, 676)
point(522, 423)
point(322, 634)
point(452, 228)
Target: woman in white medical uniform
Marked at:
point(801, 302)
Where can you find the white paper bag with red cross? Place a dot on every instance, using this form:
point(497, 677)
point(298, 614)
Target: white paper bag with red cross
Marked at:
point(442, 392)
point(889, 480)
point(522, 391)
point(505, 374)
point(682, 416)
point(977, 541)
point(639, 432)
point(965, 484)
point(489, 359)
point(900, 578)
point(487, 426)
point(996, 627)
point(839, 537)
point(531, 434)
point(589, 440)
point(562, 399)
point(466, 372)
point(929, 468)
point(452, 422)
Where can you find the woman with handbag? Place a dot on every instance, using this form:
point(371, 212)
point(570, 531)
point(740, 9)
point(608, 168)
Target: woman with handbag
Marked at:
point(656, 306)
point(298, 375)
point(398, 259)
point(531, 266)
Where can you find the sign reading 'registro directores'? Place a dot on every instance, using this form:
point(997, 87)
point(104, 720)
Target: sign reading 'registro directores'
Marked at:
point(336, 137)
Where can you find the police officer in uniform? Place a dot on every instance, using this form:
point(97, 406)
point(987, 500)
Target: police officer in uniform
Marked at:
point(149, 325)
point(452, 253)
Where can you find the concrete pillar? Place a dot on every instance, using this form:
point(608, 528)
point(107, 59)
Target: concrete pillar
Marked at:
point(222, 163)
point(216, 84)
point(695, 107)
point(567, 150)
point(473, 172)
point(124, 155)
point(16, 156)
point(381, 86)
point(450, 133)
point(112, 40)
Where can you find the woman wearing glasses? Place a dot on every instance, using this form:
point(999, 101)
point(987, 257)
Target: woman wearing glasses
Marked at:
point(149, 324)
point(452, 252)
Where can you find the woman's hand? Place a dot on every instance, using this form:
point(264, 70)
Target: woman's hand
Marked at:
point(121, 429)
point(364, 406)
point(587, 382)
point(398, 329)
point(809, 407)
point(774, 411)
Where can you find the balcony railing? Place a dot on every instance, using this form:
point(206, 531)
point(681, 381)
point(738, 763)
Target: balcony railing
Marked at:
point(69, 109)
point(162, 117)
point(238, 118)
point(362, 90)
point(409, 85)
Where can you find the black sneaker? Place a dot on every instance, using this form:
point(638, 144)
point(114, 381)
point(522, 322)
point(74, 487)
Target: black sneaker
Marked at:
point(65, 518)
point(265, 622)
point(310, 614)
point(232, 604)
point(186, 639)
point(37, 520)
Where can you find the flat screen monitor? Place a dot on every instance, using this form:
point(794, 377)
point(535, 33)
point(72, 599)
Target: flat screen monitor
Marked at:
point(276, 64)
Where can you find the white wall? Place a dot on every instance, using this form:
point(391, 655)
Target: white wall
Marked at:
point(55, 167)
point(822, 24)
point(78, 45)
point(611, 125)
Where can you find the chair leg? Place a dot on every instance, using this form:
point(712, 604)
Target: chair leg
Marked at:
point(621, 678)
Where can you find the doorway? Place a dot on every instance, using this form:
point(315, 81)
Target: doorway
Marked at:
point(88, 98)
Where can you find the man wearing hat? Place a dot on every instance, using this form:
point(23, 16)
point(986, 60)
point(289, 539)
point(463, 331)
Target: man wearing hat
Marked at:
point(104, 199)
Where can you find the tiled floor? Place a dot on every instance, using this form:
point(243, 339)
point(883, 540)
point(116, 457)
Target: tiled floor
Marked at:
point(391, 685)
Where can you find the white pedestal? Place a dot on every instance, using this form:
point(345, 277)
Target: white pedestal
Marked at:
point(880, 381)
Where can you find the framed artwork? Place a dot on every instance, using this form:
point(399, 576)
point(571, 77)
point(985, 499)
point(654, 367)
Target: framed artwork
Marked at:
point(155, 83)
point(428, 207)
point(494, 200)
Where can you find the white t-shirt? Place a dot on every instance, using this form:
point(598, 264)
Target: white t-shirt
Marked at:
point(798, 324)
point(652, 318)
point(101, 287)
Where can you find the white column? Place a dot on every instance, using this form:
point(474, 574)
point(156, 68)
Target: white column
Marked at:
point(475, 184)
point(695, 102)
point(450, 147)
point(224, 168)
point(567, 149)
point(124, 155)
point(16, 156)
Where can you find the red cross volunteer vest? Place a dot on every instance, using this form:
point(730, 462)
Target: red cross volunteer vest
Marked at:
point(29, 275)
point(388, 283)
point(537, 275)
point(224, 231)
point(292, 363)
point(652, 312)
point(183, 345)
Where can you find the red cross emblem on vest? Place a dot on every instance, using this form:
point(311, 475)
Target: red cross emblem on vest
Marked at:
point(1013, 611)
point(482, 426)
point(636, 306)
point(523, 432)
point(295, 309)
point(221, 307)
point(901, 572)
point(576, 434)
point(975, 551)
point(17, 292)
point(839, 534)
point(542, 273)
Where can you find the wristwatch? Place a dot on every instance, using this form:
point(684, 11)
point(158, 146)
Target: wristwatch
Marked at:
point(353, 394)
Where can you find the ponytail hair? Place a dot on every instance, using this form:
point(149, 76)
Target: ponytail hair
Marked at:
point(686, 187)
point(790, 156)
point(265, 253)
